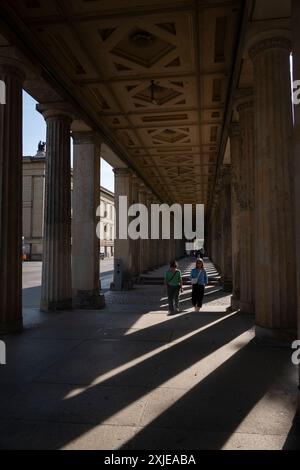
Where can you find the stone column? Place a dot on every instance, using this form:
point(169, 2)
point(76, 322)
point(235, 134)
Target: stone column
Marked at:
point(142, 194)
point(135, 244)
point(150, 263)
point(235, 149)
point(246, 199)
point(123, 247)
point(155, 243)
point(169, 244)
point(275, 276)
point(296, 152)
point(226, 229)
point(11, 198)
point(217, 233)
point(56, 272)
point(161, 248)
point(213, 234)
point(85, 239)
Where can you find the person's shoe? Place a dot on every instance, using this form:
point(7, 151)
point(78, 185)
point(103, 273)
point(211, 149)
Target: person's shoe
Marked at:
point(177, 310)
point(195, 309)
point(170, 313)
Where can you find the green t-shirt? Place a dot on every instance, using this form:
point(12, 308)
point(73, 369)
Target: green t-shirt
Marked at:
point(173, 279)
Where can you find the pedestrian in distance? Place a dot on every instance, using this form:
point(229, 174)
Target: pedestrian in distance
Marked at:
point(199, 280)
point(173, 281)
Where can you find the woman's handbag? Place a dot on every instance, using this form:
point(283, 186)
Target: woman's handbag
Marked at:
point(195, 280)
point(170, 280)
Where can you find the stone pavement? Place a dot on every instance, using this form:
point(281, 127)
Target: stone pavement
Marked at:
point(32, 280)
point(129, 377)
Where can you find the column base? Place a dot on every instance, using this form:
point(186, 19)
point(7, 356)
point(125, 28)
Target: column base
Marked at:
point(11, 327)
point(227, 285)
point(127, 284)
point(275, 336)
point(53, 306)
point(246, 307)
point(88, 300)
point(235, 303)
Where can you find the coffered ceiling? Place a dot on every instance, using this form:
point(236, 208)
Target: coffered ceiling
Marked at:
point(153, 74)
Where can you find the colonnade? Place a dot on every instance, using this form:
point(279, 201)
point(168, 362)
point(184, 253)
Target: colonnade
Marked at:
point(143, 254)
point(70, 268)
point(263, 184)
point(253, 232)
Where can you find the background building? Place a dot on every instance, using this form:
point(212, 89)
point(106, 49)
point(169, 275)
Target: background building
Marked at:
point(107, 222)
point(33, 209)
point(33, 205)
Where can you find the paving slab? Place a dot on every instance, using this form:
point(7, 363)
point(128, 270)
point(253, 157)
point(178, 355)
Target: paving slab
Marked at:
point(131, 377)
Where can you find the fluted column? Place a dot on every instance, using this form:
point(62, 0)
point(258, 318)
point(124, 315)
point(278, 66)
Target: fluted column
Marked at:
point(161, 247)
point(135, 244)
point(85, 240)
point(170, 255)
point(56, 272)
point(217, 233)
point(143, 244)
point(246, 198)
point(296, 154)
point(275, 277)
point(235, 150)
point(11, 198)
point(213, 233)
point(226, 229)
point(123, 247)
point(149, 241)
point(155, 243)
point(167, 252)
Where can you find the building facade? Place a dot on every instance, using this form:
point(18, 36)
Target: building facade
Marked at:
point(107, 222)
point(33, 210)
point(33, 206)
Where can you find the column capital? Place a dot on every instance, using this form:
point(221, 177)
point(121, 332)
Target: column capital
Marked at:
point(142, 187)
point(135, 179)
point(56, 111)
point(86, 137)
point(278, 41)
point(149, 193)
point(122, 171)
point(11, 63)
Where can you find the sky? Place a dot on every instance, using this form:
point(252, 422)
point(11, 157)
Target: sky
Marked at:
point(34, 130)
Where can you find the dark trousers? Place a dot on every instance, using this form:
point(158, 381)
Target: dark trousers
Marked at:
point(197, 295)
point(173, 297)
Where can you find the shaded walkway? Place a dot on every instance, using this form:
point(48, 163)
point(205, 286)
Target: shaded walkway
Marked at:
point(130, 377)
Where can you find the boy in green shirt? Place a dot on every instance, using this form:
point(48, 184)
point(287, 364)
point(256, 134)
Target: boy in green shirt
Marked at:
point(173, 281)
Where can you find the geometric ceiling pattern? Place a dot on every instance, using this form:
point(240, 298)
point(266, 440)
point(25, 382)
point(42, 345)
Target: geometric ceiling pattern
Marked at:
point(154, 74)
